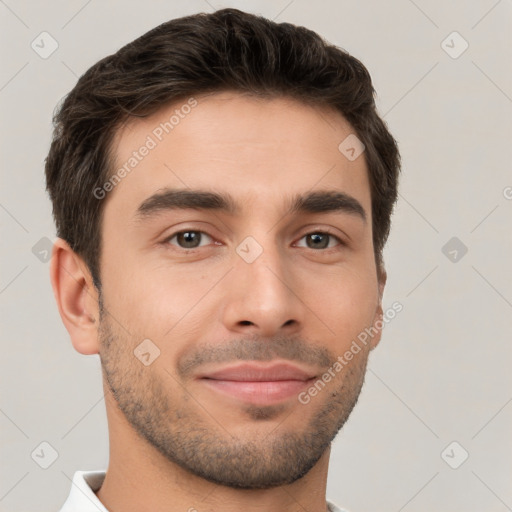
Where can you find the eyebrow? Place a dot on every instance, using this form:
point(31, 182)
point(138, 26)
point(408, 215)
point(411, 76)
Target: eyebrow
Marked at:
point(319, 201)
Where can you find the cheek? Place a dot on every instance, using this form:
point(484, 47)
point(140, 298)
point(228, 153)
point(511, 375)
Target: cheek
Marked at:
point(156, 299)
point(347, 305)
point(153, 300)
point(128, 290)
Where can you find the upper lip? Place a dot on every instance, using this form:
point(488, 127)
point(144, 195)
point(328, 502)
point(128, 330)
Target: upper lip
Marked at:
point(251, 372)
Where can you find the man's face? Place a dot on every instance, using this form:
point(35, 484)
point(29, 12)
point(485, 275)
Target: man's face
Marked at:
point(246, 309)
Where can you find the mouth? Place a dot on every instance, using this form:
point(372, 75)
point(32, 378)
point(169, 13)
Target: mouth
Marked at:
point(259, 384)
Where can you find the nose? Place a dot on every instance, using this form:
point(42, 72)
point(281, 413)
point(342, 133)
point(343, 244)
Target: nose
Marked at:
point(263, 296)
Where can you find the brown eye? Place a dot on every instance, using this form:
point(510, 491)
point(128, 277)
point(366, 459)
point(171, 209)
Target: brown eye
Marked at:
point(320, 240)
point(188, 239)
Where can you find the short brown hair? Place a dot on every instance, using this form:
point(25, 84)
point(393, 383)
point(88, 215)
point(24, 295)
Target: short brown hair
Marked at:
point(226, 50)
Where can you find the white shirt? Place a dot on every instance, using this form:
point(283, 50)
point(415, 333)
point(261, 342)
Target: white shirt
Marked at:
point(82, 498)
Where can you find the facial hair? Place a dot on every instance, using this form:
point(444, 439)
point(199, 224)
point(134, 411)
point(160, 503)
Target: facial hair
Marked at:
point(166, 415)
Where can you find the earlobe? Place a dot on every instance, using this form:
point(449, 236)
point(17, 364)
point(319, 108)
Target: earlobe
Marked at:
point(76, 297)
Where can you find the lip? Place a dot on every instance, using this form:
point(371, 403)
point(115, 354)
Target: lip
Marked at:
point(260, 373)
point(260, 384)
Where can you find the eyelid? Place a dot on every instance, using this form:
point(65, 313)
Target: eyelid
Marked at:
point(168, 238)
point(324, 231)
point(340, 235)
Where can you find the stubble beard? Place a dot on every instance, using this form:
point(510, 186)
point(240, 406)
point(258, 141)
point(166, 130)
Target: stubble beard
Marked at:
point(183, 431)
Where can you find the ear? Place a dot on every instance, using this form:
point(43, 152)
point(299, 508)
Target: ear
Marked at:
point(378, 322)
point(76, 297)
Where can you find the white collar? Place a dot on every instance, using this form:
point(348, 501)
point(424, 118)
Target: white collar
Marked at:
point(81, 497)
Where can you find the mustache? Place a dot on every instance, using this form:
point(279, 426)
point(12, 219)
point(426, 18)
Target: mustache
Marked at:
point(256, 348)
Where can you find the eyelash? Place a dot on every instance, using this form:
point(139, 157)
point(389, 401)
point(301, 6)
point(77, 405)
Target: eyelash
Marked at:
point(167, 240)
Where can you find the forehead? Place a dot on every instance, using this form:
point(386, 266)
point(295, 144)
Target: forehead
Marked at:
point(256, 150)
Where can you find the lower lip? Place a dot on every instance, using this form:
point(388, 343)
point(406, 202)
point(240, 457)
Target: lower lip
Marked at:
point(261, 393)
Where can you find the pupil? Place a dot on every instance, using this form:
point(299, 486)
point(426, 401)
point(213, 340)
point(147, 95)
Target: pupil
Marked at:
point(317, 237)
point(188, 238)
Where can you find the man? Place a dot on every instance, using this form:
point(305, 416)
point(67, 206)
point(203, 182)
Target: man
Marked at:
point(222, 189)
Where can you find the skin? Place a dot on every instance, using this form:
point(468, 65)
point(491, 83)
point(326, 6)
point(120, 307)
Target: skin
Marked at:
point(176, 444)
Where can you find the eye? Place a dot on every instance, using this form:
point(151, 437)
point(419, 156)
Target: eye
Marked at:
point(320, 240)
point(187, 239)
point(190, 239)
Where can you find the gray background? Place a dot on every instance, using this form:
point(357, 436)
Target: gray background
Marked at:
point(442, 370)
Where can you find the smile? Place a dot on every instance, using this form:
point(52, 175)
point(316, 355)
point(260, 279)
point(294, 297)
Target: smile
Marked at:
point(259, 384)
